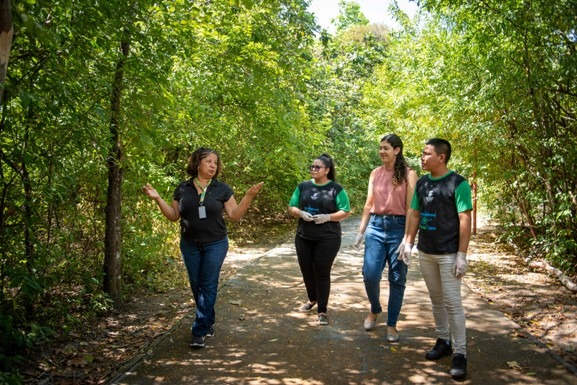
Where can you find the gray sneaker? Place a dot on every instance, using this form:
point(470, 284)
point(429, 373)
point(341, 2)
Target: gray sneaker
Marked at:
point(197, 342)
point(307, 307)
point(323, 319)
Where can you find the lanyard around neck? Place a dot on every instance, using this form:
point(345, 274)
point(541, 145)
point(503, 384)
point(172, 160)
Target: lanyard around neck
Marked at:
point(202, 188)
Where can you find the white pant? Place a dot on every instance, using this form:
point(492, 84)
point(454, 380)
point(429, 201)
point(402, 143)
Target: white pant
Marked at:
point(445, 293)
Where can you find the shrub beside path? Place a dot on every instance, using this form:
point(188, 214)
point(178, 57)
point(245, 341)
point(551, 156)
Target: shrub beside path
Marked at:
point(261, 338)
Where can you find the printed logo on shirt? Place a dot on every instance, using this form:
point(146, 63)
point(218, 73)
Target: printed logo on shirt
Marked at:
point(426, 220)
point(311, 210)
point(429, 198)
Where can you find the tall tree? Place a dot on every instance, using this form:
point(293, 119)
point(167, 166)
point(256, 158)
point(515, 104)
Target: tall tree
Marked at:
point(113, 231)
point(6, 34)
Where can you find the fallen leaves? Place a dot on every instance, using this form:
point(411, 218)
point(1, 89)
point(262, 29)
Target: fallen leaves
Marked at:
point(90, 355)
point(514, 365)
point(532, 299)
point(78, 361)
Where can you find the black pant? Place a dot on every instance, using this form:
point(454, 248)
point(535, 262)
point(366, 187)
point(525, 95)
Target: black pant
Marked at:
point(316, 259)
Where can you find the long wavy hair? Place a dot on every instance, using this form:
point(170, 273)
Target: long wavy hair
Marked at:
point(400, 166)
point(197, 156)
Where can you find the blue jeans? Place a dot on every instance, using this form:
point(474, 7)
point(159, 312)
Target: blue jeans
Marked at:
point(203, 262)
point(382, 239)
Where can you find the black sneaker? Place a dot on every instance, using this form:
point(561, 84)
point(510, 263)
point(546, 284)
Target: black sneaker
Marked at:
point(210, 332)
point(458, 366)
point(197, 342)
point(442, 348)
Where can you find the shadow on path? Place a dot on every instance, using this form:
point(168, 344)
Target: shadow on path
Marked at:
point(261, 338)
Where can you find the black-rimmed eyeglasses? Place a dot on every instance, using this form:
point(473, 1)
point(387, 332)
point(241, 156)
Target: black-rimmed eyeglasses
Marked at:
point(315, 167)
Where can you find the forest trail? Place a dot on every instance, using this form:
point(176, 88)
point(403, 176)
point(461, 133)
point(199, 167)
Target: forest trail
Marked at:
point(261, 338)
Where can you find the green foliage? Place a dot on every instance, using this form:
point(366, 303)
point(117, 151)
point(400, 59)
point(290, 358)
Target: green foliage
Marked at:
point(153, 129)
point(234, 78)
point(509, 83)
point(13, 343)
point(349, 15)
point(9, 378)
point(498, 81)
point(251, 79)
point(346, 63)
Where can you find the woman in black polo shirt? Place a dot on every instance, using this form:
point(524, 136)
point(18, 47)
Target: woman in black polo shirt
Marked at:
point(199, 202)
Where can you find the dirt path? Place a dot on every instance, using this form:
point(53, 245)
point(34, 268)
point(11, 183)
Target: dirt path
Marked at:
point(542, 310)
point(262, 338)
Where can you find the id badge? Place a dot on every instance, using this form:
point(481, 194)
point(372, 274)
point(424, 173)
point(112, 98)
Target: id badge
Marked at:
point(201, 212)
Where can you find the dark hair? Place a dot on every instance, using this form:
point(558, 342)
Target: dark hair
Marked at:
point(400, 166)
point(441, 146)
point(330, 164)
point(198, 155)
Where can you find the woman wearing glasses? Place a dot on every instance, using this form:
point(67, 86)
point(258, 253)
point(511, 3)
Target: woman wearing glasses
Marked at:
point(384, 219)
point(320, 204)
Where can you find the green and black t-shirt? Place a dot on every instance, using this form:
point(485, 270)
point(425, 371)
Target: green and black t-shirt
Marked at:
point(440, 200)
point(320, 199)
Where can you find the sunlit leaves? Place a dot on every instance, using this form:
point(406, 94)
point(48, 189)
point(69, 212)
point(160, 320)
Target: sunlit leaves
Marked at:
point(349, 15)
point(509, 82)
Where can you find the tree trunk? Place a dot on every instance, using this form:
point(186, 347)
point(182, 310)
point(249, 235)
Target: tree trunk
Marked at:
point(113, 233)
point(6, 33)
